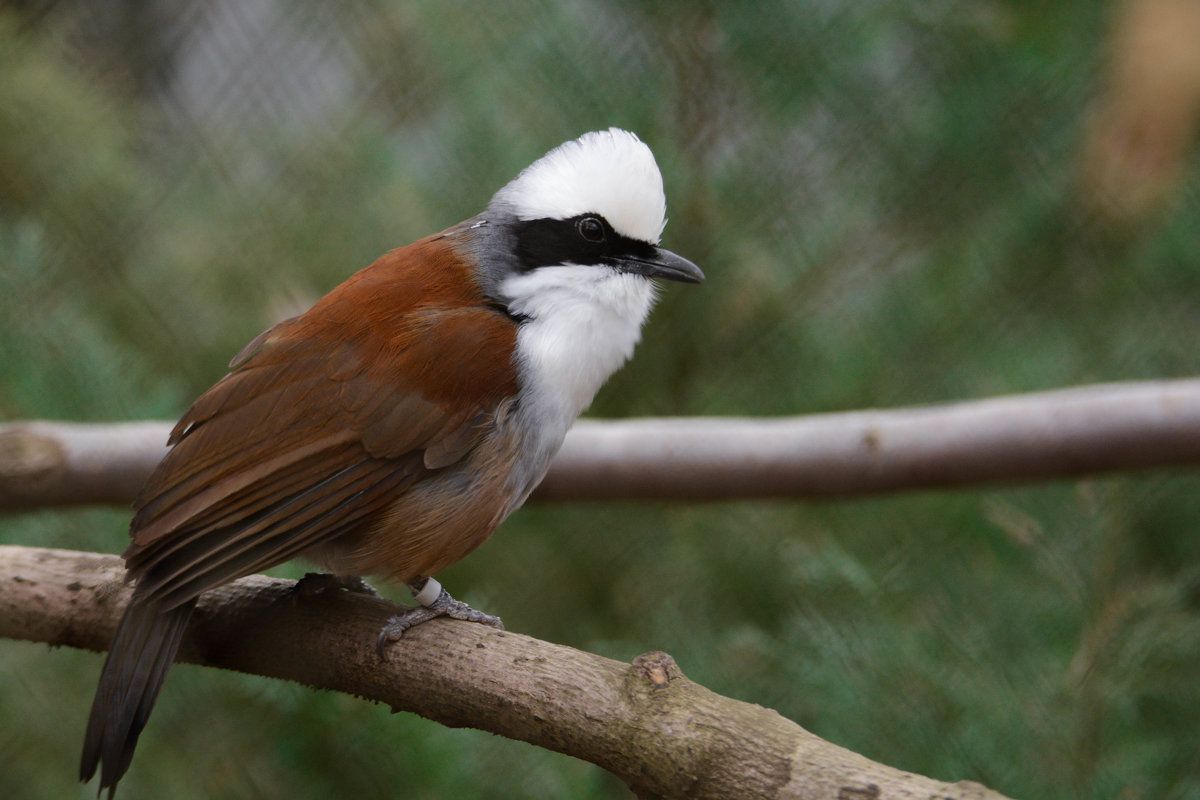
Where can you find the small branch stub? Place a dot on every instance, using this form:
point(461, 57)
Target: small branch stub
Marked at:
point(658, 668)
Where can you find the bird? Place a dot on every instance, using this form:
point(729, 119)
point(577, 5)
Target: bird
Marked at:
point(388, 430)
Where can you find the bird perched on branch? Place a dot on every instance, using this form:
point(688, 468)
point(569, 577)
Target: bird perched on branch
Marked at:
point(389, 429)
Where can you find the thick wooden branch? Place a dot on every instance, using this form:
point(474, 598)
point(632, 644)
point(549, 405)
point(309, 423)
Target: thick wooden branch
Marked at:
point(645, 722)
point(1059, 434)
point(1018, 438)
point(46, 464)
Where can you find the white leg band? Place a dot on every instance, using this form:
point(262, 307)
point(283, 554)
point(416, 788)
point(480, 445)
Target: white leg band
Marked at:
point(431, 591)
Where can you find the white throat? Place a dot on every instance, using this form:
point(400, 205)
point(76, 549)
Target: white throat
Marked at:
point(583, 323)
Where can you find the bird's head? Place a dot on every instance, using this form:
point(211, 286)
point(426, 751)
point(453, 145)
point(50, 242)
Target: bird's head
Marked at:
point(569, 248)
point(584, 218)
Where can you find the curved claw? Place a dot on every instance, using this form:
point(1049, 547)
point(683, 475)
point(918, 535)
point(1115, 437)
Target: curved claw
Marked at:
point(443, 606)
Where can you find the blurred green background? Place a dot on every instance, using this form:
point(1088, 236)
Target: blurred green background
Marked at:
point(895, 203)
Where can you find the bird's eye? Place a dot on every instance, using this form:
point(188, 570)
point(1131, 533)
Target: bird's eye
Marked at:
point(591, 229)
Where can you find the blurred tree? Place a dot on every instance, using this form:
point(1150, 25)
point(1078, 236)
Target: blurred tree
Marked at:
point(895, 204)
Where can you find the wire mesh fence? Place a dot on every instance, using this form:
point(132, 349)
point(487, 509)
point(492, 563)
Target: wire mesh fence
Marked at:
point(895, 203)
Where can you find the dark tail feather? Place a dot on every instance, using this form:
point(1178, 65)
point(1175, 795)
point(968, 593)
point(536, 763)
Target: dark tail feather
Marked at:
point(141, 653)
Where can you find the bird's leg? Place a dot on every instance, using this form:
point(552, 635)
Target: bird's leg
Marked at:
point(434, 602)
point(314, 583)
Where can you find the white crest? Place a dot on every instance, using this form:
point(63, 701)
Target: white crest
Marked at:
point(611, 173)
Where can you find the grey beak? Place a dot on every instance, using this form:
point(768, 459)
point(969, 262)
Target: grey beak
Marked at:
point(663, 264)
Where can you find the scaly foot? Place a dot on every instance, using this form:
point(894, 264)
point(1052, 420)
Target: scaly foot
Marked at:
point(435, 602)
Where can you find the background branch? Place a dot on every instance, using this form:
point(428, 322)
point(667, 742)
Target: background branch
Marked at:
point(1028, 437)
point(646, 722)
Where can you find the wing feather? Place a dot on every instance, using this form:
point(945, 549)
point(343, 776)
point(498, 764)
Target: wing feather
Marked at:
point(323, 421)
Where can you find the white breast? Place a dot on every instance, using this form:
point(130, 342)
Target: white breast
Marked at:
point(583, 323)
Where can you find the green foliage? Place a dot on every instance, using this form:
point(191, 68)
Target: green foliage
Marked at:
point(886, 199)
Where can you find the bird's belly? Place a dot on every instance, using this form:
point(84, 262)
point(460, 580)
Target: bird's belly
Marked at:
point(439, 519)
point(426, 529)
